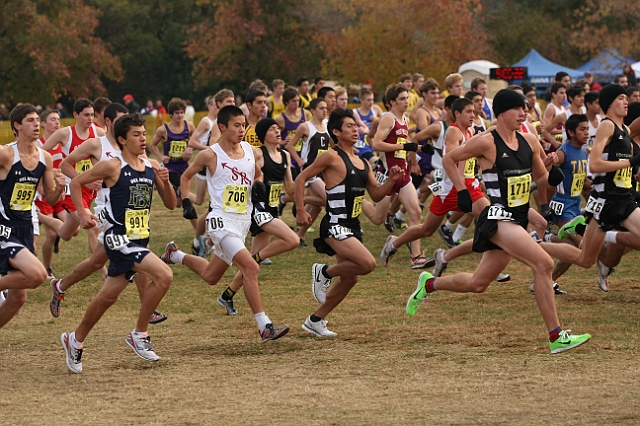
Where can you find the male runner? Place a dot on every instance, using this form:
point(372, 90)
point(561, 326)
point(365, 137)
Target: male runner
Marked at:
point(303, 92)
point(99, 104)
point(257, 104)
point(290, 119)
point(129, 180)
point(555, 107)
point(232, 174)
point(276, 106)
point(367, 113)
point(479, 85)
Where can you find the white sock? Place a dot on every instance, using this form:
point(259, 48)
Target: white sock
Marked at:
point(2, 298)
point(58, 286)
point(449, 225)
point(547, 237)
point(73, 341)
point(196, 243)
point(262, 319)
point(399, 215)
point(138, 334)
point(418, 192)
point(460, 230)
point(177, 256)
point(208, 243)
point(610, 236)
point(441, 257)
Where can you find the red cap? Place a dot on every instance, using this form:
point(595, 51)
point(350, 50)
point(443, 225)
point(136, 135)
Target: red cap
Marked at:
point(127, 97)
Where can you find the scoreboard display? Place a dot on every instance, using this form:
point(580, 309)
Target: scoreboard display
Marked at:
point(508, 73)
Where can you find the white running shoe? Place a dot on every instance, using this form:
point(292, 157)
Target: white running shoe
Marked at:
point(74, 355)
point(440, 265)
point(603, 274)
point(503, 278)
point(318, 328)
point(142, 347)
point(319, 283)
point(388, 250)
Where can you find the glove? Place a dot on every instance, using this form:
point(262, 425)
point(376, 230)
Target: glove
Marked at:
point(188, 211)
point(635, 161)
point(427, 148)
point(464, 201)
point(556, 176)
point(411, 146)
point(259, 192)
point(545, 211)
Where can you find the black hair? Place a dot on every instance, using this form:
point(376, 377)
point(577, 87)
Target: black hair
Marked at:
point(112, 110)
point(590, 97)
point(99, 104)
point(227, 113)
point(574, 91)
point(301, 80)
point(81, 104)
point(459, 105)
point(315, 102)
point(19, 113)
point(471, 94)
point(252, 95)
point(336, 119)
point(322, 93)
point(631, 89)
point(573, 122)
point(556, 86)
point(526, 88)
point(559, 76)
point(288, 94)
point(46, 113)
point(449, 100)
point(318, 80)
point(122, 126)
point(394, 90)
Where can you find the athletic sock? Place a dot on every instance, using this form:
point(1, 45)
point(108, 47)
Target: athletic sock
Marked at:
point(178, 256)
point(580, 228)
point(399, 215)
point(138, 334)
point(460, 230)
point(324, 271)
point(228, 294)
point(196, 243)
point(429, 285)
point(610, 236)
point(58, 286)
point(418, 192)
point(554, 334)
point(440, 256)
point(449, 225)
point(262, 319)
point(73, 341)
point(257, 258)
point(314, 318)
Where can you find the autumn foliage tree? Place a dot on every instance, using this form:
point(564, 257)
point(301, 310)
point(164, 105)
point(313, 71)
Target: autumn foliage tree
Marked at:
point(392, 37)
point(48, 49)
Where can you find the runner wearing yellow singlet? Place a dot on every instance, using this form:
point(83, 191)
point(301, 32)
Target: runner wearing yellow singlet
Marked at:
point(275, 103)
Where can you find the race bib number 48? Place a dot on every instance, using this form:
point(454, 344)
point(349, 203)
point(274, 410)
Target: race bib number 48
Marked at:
point(22, 196)
point(83, 165)
point(235, 198)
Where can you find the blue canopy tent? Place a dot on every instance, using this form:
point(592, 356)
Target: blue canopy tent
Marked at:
point(606, 65)
point(541, 70)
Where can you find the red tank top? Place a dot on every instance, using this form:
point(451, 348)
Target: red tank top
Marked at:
point(74, 142)
point(397, 135)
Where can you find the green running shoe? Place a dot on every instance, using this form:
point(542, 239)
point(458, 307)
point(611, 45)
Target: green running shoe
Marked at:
point(571, 226)
point(567, 341)
point(418, 296)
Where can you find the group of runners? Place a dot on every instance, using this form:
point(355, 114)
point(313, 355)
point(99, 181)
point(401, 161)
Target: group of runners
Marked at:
point(480, 160)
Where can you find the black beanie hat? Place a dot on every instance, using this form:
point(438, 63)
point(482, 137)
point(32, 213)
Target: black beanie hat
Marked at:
point(608, 94)
point(506, 99)
point(263, 126)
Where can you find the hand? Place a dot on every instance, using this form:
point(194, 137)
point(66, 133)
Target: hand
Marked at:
point(259, 192)
point(395, 173)
point(540, 127)
point(427, 148)
point(162, 173)
point(59, 178)
point(415, 169)
point(96, 185)
point(303, 218)
point(550, 159)
point(465, 204)
point(635, 161)
point(165, 159)
point(286, 141)
point(186, 155)
point(555, 176)
point(188, 211)
point(411, 146)
point(87, 220)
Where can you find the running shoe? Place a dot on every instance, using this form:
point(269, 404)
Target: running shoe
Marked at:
point(266, 262)
point(56, 245)
point(571, 226)
point(3, 295)
point(420, 262)
point(388, 250)
point(556, 288)
point(228, 305)
point(202, 249)
point(440, 264)
point(503, 278)
point(171, 247)
point(567, 341)
point(142, 346)
point(157, 318)
point(320, 283)
point(400, 223)
point(50, 275)
point(271, 332)
point(388, 222)
point(318, 328)
point(447, 236)
point(73, 354)
point(195, 250)
point(419, 295)
point(56, 297)
point(302, 244)
point(603, 275)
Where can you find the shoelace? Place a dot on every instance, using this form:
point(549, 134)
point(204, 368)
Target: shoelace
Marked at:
point(78, 354)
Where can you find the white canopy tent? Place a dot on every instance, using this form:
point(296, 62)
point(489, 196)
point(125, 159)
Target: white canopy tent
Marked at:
point(480, 68)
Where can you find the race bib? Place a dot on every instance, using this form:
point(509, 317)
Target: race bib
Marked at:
point(274, 194)
point(298, 144)
point(214, 223)
point(83, 165)
point(470, 168)
point(360, 144)
point(436, 188)
point(357, 206)
point(321, 151)
point(438, 175)
point(22, 196)
point(262, 218)
point(595, 205)
point(556, 207)
point(235, 198)
point(5, 232)
point(622, 178)
point(518, 190)
point(116, 242)
point(136, 223)
point(402, 153)
point(340, 232)
point(381, 178)
point(176, 149)
point(498, 213)
point(102, 218)
point(577, 184)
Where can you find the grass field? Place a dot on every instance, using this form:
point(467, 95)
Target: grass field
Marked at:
point(464, 359)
